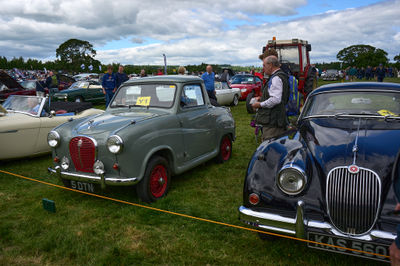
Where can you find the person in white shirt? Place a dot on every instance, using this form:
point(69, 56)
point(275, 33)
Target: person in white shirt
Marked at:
point(271, 111)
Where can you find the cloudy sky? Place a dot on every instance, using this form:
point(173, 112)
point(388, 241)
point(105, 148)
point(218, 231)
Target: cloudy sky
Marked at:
point(192, 32)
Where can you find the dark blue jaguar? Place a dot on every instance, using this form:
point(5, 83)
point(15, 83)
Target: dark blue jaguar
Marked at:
point(332, 179)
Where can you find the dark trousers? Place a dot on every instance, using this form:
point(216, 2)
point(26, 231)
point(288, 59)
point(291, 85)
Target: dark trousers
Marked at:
point(211, 95)
point(109, 95)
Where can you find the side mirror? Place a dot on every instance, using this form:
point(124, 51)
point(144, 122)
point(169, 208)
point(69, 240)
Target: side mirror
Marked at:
point(52, 113)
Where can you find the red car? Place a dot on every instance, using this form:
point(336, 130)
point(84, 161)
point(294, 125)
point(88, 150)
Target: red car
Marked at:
point(247, 84)
point(27, 87)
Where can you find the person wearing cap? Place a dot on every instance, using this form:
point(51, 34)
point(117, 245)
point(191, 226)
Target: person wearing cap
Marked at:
point(109, 84)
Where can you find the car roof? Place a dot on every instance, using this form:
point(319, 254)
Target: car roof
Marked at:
point(165, 78)
point(357, 86)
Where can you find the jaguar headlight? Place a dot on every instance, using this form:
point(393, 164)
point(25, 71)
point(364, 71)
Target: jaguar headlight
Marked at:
point(53, 139)
point(291, 180)
point(115, 144)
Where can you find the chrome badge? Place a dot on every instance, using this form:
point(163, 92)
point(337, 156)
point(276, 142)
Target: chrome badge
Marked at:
point(80, 142)
point(354, 169)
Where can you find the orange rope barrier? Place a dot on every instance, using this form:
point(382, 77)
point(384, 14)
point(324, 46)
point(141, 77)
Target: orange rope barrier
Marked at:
point(191, 217)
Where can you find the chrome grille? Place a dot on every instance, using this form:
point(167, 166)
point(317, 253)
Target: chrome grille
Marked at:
point(353, 200)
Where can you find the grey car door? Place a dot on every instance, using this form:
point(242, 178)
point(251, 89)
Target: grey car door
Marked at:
point(197, 121)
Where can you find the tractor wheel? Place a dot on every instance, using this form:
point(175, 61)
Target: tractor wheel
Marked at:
point(250, 109)
point(311, 81)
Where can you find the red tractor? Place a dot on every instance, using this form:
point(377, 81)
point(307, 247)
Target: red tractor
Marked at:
point(294, 56)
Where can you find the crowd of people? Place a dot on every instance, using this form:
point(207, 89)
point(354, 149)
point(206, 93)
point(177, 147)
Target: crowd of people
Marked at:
point(378, 73)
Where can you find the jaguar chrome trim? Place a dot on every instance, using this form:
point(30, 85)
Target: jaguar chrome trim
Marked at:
point(297, 226)
point(378, 197)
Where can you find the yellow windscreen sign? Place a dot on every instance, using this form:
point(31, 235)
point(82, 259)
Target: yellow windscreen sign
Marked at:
point(385, 113)
point(144, 101)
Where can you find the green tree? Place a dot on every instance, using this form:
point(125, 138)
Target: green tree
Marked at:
point(397, 63)
point(362, 55)
point(73, 53)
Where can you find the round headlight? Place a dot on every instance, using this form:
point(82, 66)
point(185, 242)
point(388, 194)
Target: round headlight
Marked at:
point(291, 180)
point(115, 144)
point(98, 167)
point(64, 163)
point(53, 139)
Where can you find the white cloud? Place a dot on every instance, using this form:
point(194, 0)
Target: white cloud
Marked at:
point(189, 32)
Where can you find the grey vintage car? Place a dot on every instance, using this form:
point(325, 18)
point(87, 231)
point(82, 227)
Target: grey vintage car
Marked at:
point(154, 128)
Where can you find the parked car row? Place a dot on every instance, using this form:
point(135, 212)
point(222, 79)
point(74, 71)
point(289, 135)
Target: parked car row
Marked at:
point(9, 86)
point(329, 180)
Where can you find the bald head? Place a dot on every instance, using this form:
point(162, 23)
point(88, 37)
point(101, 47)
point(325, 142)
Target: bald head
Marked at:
point(209, 69)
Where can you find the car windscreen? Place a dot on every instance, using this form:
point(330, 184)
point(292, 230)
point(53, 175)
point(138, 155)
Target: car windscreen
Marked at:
point(242, 80)
point(30, 85)
point(354, 102)
point(332, 71)
point(79, 85)
point(151, 95)
point(289, 55)
point(23, 104)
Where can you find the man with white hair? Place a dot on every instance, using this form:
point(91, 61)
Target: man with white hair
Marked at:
point(271, 111)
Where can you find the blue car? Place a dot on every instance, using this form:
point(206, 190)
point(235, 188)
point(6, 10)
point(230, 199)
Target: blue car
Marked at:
point(331, 180)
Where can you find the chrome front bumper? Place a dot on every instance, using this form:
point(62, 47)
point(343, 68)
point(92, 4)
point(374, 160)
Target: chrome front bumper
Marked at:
point(96, 179)
point(298, 226)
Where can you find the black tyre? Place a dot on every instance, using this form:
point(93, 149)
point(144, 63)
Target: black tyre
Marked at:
point(79, 99)
point(225, 149)
point(235, 101)
point(156, 180)
point(267, 237)
point(250, 109)
point(311, 81)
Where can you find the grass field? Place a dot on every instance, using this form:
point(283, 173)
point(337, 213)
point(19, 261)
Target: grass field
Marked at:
point(86, 230)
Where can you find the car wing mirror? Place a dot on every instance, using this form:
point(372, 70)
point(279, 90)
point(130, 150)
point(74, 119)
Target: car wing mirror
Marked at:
point(52, 113)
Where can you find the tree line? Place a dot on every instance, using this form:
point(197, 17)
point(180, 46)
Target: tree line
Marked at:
point(75, 56)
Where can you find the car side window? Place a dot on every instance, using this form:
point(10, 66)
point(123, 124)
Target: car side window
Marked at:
point(192, 96)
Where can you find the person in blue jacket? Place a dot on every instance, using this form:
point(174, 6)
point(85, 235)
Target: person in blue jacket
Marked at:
point(121, 76)
point(209, 78)
point(109, 84)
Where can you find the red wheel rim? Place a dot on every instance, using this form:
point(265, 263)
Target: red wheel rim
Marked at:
point(226, 149)
point(158, 181)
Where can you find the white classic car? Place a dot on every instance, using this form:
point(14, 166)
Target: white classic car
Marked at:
point(226, 95)
point(25, 122)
